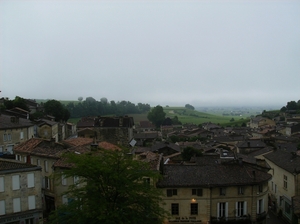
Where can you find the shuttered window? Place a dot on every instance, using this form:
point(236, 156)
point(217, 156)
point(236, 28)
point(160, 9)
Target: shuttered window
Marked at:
point(15, 182)
point(17, 204)
point(31, 202)
point(30, 180)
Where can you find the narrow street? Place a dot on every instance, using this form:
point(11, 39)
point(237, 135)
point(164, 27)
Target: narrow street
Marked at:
point(273, 219)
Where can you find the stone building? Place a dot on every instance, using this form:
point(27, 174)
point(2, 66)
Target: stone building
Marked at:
point(214, 190)
point(13, 131)
point(20, 193)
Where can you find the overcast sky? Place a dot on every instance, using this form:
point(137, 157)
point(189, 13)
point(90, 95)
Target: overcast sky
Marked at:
point(205, 53)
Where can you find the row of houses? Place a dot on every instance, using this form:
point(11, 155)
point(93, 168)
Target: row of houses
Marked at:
point(239, 184)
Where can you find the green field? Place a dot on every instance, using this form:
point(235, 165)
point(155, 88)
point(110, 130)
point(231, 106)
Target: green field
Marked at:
point(188, 116)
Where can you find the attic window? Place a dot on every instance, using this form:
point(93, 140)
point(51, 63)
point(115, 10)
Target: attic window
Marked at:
point(171, 192)
point(198, 192)
point(222, 190)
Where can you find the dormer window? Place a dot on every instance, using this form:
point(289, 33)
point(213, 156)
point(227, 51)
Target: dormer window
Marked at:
point(222, 190)
point(240, 190)
point(171, 192)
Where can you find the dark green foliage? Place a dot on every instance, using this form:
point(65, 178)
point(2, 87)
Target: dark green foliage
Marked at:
point(17, 102)
point(188, 106)
point(91, 107)
point(189, 152)
point(111, 190)
point(157, 115)
point(56, 109)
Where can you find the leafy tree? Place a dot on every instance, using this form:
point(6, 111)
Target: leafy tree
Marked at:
point(104, 100)
point(157, 115)
point(56, 109)
point(189, 152)
point(111, 190)
point(175, 121)
point(189, 106)
point(17, 102)
point(292, 105)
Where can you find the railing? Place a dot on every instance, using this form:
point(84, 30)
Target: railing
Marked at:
point(261, 216)
point(228, 220)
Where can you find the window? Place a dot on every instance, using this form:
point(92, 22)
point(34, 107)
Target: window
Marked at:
point(31, 202)
point(240, 190)
point(260, 206)
point(171, 192)
point(285, 181)
point(287, 208)
point(15, 182)
point(76, 180)
point(4, 137)
point(25, 159)
point(272, 184)
point(18, 157)
point(175, 209)
point(275, 188)
point(38, 162)
point(17, 204)
point(222, 190)
point(63, 180)
point(2, 184)
point(64, 199)
point(198, 192)
point(222, 209)
point(241, 208)
point(21, 135)
point(260, 188)
point(46, 183)
point(46, 165)
point(194, 209)
point(30, 180)
point(2, 207)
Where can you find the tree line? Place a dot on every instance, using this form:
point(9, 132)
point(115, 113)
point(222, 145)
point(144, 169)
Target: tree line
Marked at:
point(92, 107)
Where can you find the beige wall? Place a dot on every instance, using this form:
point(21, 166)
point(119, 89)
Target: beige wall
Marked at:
point(208, 202)
point(15, 137)
point(23, 192)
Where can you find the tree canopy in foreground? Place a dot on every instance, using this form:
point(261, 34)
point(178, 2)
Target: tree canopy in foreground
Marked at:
point(111, 189)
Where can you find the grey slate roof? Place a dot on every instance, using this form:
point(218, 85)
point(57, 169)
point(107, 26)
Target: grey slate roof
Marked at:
point(11, 165)
point(6, 122)
point(288, 161)
point(213, 175)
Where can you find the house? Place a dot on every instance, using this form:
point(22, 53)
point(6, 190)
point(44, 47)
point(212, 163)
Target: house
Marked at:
point(145, 126)
point(214, 190)
point(20, 192)
point(48, 129)
point(117, 130)
point(43, 153)
point(165, 148)
point(13, 131)
point(258, 122)
point(285, 169)
point(250, 145)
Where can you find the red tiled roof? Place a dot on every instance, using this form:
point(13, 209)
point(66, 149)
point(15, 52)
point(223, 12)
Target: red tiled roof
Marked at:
point(79, 141)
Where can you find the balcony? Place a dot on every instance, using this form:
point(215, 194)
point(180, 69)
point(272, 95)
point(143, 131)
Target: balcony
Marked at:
point(261, 216)
point(231, 220)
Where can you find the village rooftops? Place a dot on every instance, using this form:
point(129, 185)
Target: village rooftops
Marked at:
point(40, 147)
point(213, 175)
point(288, 161)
